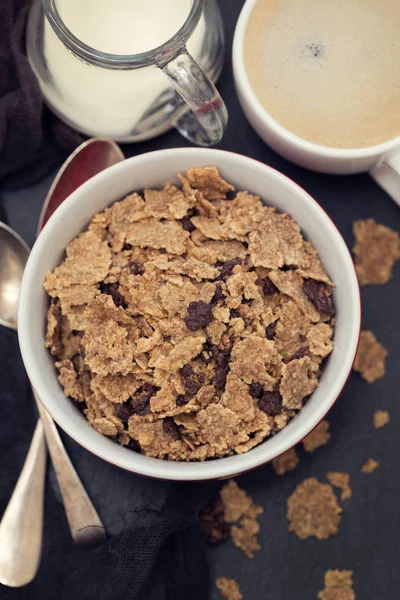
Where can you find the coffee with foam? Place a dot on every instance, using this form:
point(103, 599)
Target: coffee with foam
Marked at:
point(328, 70)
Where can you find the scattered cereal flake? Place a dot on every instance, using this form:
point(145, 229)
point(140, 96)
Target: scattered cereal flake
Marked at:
point(245, 536)
point(209, 182)
point(69, 380)
point(226, 250)
point(87, 262)
point(254, 358)
point(210, 228)
point(291, 284)
point(221, 428)
point(291, 328)
point(168, 235)
point(242, 215)
point(320, 339)
point(381, 418)
point(108, 338)
point(176, 298)
point(342, 481)
point(239, 506)
point(235, 501)
point(168, 203)
point(376, 249)
point(122, 214)
point(318, 437)
point(116, 388)
point(228, 588)
point(236, 397)
point(298, 381)
point(181, 354)
point(313, 510)
point(259, 428)
point(370, 466)
point(338, 586)
point(286, 462)
point(370, 359)
point(277, 242)
point(109, 427)
point(185, 266)
point(310, 266)
point(242, 285)
point(153, 440)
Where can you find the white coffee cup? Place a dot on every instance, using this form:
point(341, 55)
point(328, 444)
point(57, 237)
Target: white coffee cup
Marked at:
point(382, 161)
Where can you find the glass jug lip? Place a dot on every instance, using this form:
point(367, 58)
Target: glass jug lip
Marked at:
point(156, 56)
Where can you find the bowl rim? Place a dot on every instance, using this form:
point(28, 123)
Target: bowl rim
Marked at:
point(158, 468)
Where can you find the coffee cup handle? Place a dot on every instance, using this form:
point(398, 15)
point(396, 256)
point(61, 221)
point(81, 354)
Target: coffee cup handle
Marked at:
point(205, 123)
point(387, 175)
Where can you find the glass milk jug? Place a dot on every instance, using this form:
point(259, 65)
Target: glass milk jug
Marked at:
point(130, 69)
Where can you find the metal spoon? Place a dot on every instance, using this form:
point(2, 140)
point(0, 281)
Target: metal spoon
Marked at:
point(22, 524)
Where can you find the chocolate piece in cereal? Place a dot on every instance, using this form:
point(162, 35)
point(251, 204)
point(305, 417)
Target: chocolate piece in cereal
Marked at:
point(318, 437)
point(190, 322)
point(381, 418)
point(312, 510)
point(338, 586)
point(370, 466)
point(342, 481)
point(376, 249)
point(286, 462)
point(228, 588)
point(271, 403)
point(318, 294)
point(199, 315)
point(370, 359)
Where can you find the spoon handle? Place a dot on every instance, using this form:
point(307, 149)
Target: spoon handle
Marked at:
point(21, 527)
point(84, 523)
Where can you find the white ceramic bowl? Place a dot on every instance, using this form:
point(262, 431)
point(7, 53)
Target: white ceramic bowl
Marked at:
point(155, 169)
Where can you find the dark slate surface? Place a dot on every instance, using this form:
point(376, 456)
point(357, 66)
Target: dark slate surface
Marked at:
point(368, 543)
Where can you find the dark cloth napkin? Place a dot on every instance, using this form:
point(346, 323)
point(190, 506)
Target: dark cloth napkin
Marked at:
point(32, 139)
point(160, 555)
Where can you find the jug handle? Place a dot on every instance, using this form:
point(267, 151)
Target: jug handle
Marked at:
point(205, 123)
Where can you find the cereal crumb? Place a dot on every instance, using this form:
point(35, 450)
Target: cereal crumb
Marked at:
point(318, 437)
point(381, 418)
point(370, 466)
point(237, 503)
point(376, 249)
point(370, 359)
point(245, 536)
point(338, 586)
point(342, 481)
point(228, 588)
point(285, 462)
point(313, 510)
point(232, 506)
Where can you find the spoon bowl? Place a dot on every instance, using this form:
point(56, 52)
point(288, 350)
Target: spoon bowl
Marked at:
point(13, 256)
